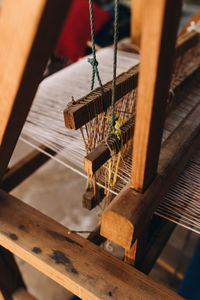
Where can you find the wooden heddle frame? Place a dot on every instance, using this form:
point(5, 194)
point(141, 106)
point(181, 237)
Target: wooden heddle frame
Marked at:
point(29, 30)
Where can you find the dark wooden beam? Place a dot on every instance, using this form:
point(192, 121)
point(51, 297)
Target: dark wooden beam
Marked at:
point(75, 263)
point(86, 108)
point(10, 276)
point(24, 168)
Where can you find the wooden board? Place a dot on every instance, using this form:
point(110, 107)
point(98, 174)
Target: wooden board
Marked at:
point(137, 9)
point(85, 109)
point(96, 158)
point(161, 20)
point(29, 31)
point(126, 217)
point(75, 263)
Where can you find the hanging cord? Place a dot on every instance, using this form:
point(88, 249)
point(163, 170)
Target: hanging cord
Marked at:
point(93, 61)
point(113, 118)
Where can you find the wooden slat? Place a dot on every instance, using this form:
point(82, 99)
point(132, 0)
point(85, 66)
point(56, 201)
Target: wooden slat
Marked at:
point(29, 30)
point(24, 168)
point(137, 9)
point(78, 265)
point(85, 109)
point(161, 18)
point(126, 217)
point(96, 158)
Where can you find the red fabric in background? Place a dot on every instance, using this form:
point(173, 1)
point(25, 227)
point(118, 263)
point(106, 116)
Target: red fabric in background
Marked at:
point(76, 30)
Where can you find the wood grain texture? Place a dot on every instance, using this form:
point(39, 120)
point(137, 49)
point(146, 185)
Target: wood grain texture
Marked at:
point(126, 217)
point(77, 264)
point(137, 9)
point(29, 31)
point(86, 108)
point(17, 32)
point(161, 18)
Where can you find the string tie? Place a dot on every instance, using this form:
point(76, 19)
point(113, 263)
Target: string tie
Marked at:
point(94, 63)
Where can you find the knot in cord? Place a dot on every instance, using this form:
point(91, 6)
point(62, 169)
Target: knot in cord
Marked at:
point(94, 63)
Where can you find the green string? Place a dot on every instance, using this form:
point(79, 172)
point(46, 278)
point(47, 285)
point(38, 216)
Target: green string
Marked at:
point(113, 119)
point(93, 61)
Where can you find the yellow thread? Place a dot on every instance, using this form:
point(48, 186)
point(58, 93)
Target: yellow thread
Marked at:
point(118, 133)
point(116, 170)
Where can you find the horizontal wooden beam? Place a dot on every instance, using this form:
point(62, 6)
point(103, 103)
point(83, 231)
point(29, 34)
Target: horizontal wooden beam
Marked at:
point(86, 108)
point(24, 168)
point(126, 217)
point(96, 158)
point(77, 264)
point(83, 110)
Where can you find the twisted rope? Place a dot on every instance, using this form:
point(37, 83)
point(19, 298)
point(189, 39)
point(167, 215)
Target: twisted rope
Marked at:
point(113, 118)
point(93, 61)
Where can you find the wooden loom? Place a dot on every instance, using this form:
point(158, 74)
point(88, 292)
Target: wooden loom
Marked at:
point(75, 263)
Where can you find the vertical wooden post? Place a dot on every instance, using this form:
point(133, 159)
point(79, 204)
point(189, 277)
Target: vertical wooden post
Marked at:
point(10, 277)
point(137, 9)
point(28, 35)
point(161, 19)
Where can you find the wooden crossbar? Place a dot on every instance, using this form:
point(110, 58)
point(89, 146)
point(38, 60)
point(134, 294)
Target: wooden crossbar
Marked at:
point(83, 110)
point(96, 158)
point(75, 263)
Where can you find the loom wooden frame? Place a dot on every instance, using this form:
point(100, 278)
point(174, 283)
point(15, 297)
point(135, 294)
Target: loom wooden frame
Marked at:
point(81, 111)
point(75, 263)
